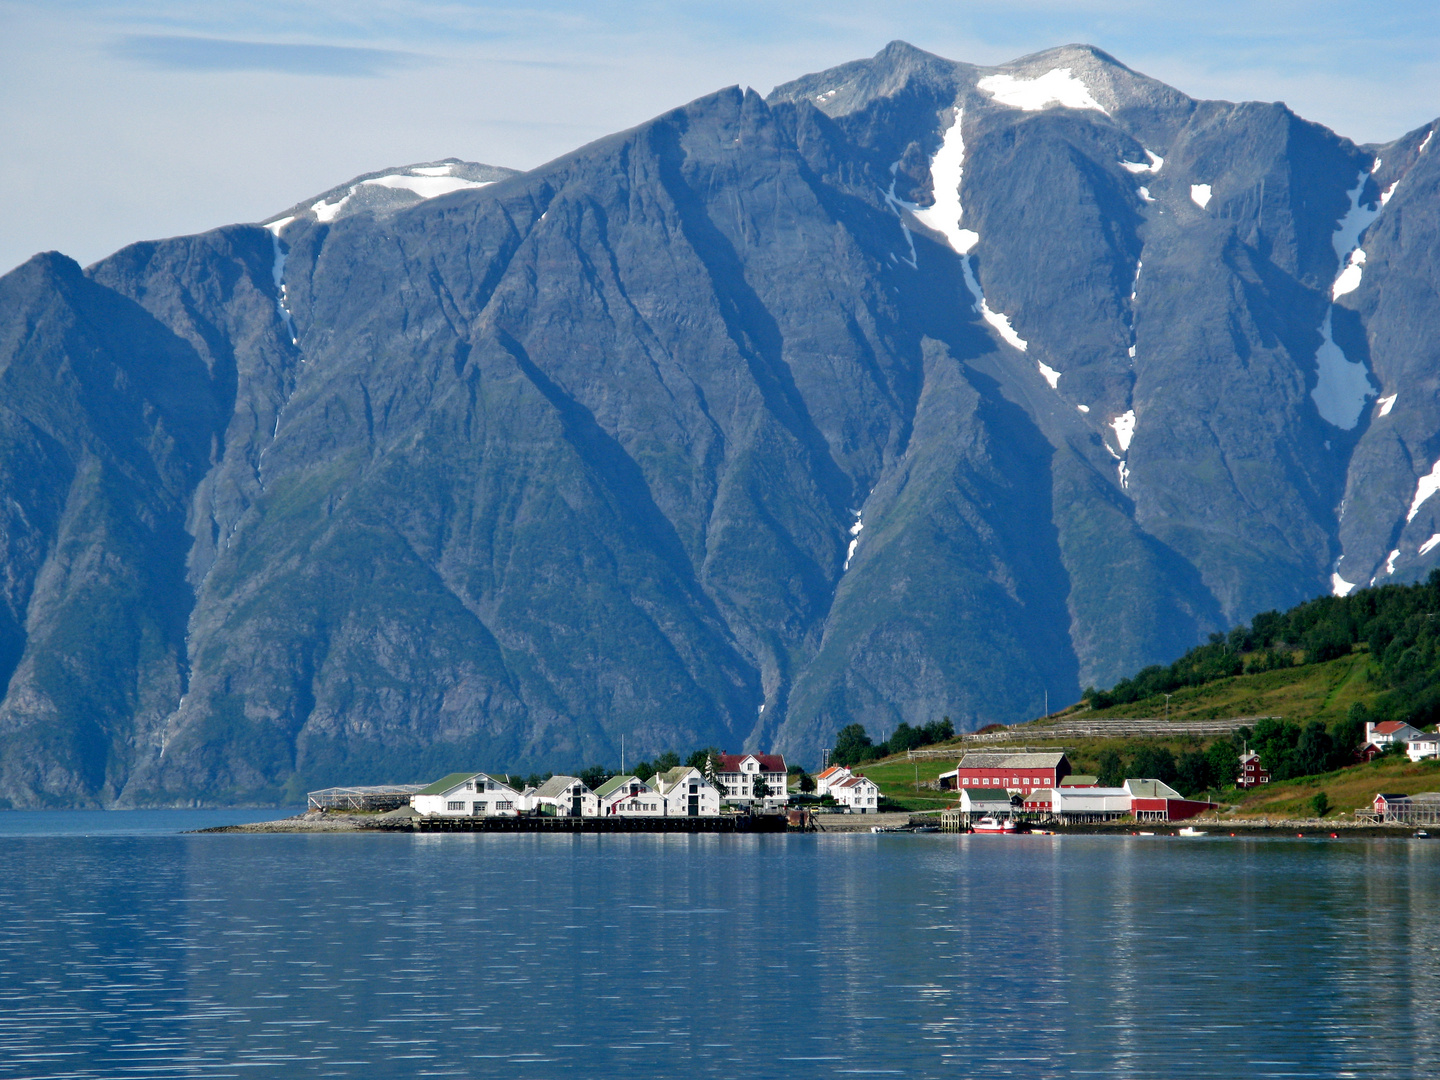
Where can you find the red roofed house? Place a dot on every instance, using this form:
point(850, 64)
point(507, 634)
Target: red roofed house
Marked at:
point(1390, 731)
point(738, 773)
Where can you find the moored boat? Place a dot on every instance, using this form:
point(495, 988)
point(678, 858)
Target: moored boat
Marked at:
point(990, 824)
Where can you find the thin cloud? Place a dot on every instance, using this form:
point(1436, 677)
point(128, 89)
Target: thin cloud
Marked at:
point(179, 53)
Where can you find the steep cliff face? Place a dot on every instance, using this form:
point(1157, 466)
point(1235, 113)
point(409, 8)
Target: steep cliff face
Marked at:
point(914, 389)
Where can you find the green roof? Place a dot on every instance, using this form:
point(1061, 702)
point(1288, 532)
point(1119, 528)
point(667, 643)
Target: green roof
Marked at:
point(1080, 780)
point(614, 784)
point(445, 783)
point(988, 795)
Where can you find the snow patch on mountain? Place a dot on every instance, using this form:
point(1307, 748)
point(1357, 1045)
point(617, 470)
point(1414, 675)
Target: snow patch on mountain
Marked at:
point(947, 169)
point(1200, 193)
point(1151, 166)
point(1124, 427)
point(1342, 387)
point(1340, 587)
point(1390, 561)
point(277, 271)
point(1426, 486)
point(999, 320)
point(1058, 87)
point(1429, 544)
point(1349, 279)
point(1386, 404)
point(1050, 375)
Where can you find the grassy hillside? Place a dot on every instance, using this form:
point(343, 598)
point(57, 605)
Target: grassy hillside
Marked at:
point(1321, 692)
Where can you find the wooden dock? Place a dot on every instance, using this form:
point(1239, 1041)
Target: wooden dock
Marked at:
point(729, 823)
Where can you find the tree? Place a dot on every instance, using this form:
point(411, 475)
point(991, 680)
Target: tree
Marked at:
point(940, 730)
point(1154, 763)
point(595, 775)
point(760, 787)
point(852, 746)
point(1320, 804)
point(643, 769)
point(1194, 773)
point(1224, 758)
point(667, 761)
point(1112, 769)
point(1315, 749)
point(700, 759)
point(807, 784)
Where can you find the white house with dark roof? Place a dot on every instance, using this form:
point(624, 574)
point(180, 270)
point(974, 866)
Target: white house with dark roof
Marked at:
point(686, 793)
point(739, 775)
point(1423, 746)
point(628, 796)
point(564, 796)
point(468, 795)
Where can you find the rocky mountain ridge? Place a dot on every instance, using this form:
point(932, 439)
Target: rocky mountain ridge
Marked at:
point(914, 389)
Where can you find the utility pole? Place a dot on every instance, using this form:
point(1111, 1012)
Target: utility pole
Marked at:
point(1167, 707)
point(622, 755)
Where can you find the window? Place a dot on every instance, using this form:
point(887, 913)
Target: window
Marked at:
point(504, 806)
point(454, 806)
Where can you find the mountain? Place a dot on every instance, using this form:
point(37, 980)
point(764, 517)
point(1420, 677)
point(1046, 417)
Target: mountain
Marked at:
point(914, 389)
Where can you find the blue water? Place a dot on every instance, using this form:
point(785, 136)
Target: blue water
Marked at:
point(132, 953)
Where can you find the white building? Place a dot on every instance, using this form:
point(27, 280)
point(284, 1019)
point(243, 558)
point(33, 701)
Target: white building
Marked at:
point(1390, 731)
point(740, 775)
point(686, 793)
point(629, 796)
point(564, 796)
point(1091, 803)
point(468, 795)
point(992, 801)
point(858, 794)
point(1423, 746)
point(835, 774)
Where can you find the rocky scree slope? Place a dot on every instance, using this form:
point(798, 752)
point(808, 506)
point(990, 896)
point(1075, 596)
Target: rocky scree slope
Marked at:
point(915, 388)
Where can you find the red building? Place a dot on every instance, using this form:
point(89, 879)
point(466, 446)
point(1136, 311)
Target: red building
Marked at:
point(1252, 772)
point(1025, 772)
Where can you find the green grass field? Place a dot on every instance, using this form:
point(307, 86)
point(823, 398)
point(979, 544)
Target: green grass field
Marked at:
point(1313, 692)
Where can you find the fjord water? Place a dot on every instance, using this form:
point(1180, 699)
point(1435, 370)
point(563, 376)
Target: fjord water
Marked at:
point(538, 956)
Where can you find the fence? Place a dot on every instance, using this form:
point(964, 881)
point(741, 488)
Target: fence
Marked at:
point(1090, 729)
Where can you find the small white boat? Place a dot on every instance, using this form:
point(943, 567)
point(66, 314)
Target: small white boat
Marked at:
point(989, 824)
point(1190, 830)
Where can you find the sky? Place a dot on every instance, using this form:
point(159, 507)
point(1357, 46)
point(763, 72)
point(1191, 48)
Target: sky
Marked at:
point(137, 119)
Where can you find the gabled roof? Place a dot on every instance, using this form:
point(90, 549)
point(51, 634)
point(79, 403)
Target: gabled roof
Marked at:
point(615, 783)
point(831, 771)
point(665, 782)
point(448, 783)
point(990, 759)
point(1079, 780)
point(988, 794)
point(557, 786)
point(768, 762)
point(1389, 727)
point(1151, 789)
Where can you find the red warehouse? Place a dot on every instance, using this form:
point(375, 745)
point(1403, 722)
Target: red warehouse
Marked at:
point(1024, 772)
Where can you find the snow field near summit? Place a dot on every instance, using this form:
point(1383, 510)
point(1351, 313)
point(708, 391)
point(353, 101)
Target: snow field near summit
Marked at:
point(1340, 587)
point(1390, 561)
point(1152, 166)
point(1386, 404)
point(1200, 195)
point(1051, 376)
point(1429, 544)
point(1058, 87)
point(947, 169)
point(427, 181)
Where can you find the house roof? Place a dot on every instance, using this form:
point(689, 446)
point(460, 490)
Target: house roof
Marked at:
point(1390, 727)
point(1043, 794)
point(855, 781)
point(666, 782)
point(990, 759)
point(615, 783)
point(988, 795)
point(1079, 780)
point(831, 771)
point(557, 786)
point(1151, 789)
point(448, 783)
point(768, 762)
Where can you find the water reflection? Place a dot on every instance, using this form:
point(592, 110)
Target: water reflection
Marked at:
point(539, 956)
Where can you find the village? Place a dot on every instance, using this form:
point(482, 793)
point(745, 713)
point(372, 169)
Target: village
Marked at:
point(993, 790)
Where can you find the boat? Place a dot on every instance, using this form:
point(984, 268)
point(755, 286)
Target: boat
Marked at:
point(990, 824)
point(926, 828)
point(1190, 830)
